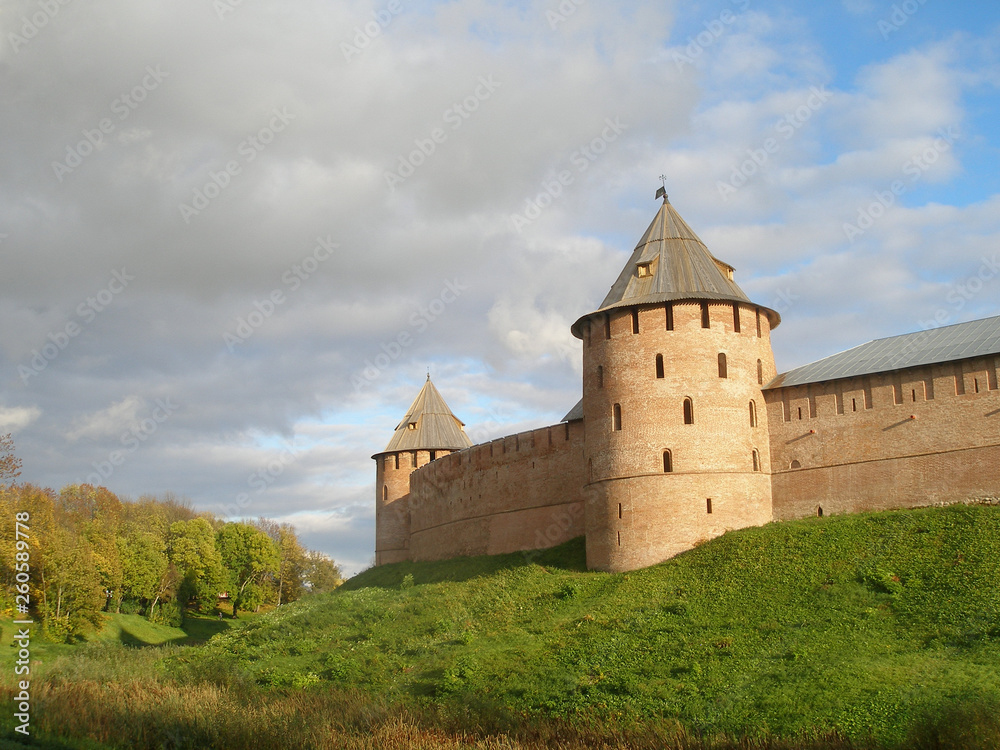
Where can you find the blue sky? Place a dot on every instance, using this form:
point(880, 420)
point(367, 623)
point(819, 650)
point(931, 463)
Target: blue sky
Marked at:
point(445, 186)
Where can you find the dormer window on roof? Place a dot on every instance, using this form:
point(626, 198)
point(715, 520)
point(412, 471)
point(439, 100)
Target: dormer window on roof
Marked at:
point(644, 269)
point(411, 426)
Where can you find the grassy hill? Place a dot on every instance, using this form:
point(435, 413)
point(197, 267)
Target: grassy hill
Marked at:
point(883, 629)
point(867, 624)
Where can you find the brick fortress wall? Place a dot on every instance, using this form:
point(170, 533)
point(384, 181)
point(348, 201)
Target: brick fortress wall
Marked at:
point(925, 435)
point(516, 493)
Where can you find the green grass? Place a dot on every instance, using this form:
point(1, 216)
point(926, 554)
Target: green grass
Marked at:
point(869, 625)
point(873, 630)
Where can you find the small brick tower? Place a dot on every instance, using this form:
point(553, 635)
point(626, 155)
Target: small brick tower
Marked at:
point(676, 439)
point(428, 431)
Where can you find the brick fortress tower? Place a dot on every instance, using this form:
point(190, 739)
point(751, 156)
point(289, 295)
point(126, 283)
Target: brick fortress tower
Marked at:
point(676, 445)
point(427, 432)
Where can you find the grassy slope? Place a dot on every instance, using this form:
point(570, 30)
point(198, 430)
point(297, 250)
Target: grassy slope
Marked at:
point(864, 623)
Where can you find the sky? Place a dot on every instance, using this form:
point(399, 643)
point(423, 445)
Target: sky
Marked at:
point(236, 236)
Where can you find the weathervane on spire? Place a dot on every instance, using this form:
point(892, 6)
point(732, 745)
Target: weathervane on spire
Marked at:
point(662, 192)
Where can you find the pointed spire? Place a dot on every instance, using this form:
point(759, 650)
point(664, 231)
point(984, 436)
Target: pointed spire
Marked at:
point(672, 263)
point(429, 425)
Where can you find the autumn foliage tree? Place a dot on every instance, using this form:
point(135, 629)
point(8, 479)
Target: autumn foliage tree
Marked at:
point(10, 465)
point(92, 553)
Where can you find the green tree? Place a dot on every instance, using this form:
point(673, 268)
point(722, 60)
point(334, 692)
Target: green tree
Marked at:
point(191, 548)
point(71, 593)
point(250, 557)
point(145, 568)
point(321, 573)
point(289, 582)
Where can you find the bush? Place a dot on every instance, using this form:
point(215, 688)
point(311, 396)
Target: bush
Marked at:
point(168, 613)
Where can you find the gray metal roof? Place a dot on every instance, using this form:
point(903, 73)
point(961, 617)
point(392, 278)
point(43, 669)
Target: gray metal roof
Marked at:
point(977, 338)
point(672, 263)
point(428, 425)
point(575, 413)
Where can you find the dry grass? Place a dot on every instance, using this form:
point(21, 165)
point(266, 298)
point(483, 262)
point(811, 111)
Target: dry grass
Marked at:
point(160, 714)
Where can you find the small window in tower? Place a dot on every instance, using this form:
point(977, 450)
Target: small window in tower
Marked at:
point(708, 505)
point(635, 320)
point(619, 510)
point(758, 323)
point(411, 426)
point(756, 460)
point(644, 269)
point(433, 455)
point(617, 415)
point(760, 372)
point(413, 459)
point(854, 404)
point(819, 511)
point(800, 412)
point(794, 465)
point(688, 411)
point(668, 462)
point(600, 376)
point(736, 318)
point(670, 316)
point(723, 366)
point(607, 325)
point(753, 413)
point(396, 457)
point(659, 366)
point(619, 539)
point(705, 320)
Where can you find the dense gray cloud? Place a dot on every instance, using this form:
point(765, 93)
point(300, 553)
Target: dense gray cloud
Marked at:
point(235, 235)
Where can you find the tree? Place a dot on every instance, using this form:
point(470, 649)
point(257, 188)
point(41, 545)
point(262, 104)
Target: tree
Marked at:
point(289, 584)
point(145, 568)
point(10, 465)
point(321, 573)
point(249, 556)
point(192, 550)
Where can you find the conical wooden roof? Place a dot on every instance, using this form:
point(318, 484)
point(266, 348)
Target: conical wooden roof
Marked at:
point(428, 425)
point(672, 263)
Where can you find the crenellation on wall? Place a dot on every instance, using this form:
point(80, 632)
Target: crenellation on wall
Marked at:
point(523, 482)
point(887, 456)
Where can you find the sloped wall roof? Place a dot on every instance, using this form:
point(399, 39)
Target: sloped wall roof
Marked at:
point(977, 338)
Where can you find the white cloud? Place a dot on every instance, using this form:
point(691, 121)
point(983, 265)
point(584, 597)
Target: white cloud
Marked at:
point(16, 418)
point(108, 422)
